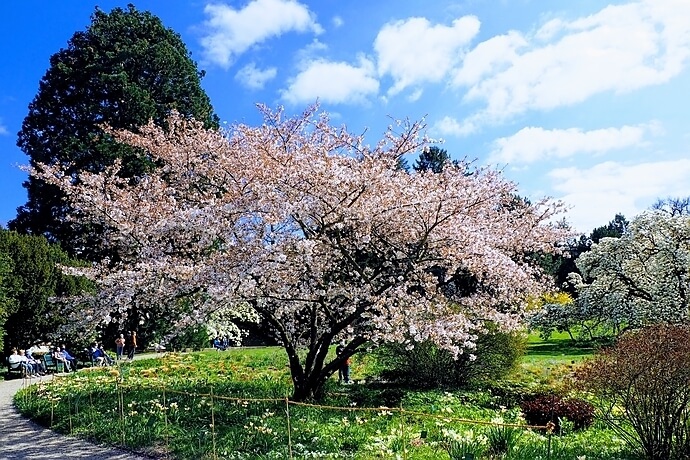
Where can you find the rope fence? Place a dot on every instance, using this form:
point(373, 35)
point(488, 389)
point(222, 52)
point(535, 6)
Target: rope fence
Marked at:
point(137, 423)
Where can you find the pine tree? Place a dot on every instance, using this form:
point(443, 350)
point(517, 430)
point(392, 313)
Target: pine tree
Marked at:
point(125, 69)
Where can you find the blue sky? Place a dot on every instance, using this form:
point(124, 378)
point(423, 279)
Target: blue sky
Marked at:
point(581, 101)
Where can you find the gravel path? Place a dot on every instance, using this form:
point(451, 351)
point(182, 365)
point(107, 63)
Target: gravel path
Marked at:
point(23, 439)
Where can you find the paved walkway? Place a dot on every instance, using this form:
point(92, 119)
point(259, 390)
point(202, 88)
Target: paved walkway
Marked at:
point(23, 439)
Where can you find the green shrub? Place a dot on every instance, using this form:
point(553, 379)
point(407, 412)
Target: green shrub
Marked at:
point(502, 439)
point(428, 366)
point(643, 385)
point(195, 337)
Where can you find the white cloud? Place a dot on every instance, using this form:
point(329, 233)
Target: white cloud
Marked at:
point(533, 144)
point(414, 51)
point(332, 82)
point(3, 129)
point(232, 32)
point(253, 77)
point(598, 193)
point(337, 21)
point(310, 53)
point(449, 126)
point(489, 58)
point(619, 49)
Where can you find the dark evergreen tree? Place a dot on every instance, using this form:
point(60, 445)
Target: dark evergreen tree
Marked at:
point(6, 302)
point(614, 229)
point(562, 265)
point(125, 69)
point(32, 276)
point(432, 159)
point(402, 164)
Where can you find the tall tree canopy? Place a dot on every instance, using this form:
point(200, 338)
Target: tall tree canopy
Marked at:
point(674, 206)
point(319, 235)
point(125, 69)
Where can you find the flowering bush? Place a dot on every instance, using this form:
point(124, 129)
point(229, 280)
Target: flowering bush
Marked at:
point(427, 366)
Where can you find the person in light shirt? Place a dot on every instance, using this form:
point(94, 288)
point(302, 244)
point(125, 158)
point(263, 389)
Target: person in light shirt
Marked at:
point(19, 359)
point(59, 356)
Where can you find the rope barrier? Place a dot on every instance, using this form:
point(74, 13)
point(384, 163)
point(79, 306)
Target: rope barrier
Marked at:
point(121, 387)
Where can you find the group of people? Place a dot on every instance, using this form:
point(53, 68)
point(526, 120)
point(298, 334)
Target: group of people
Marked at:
point(30, 366)
point(34, 366)
point(99, 357)
point(221, 343)
point(126, 345)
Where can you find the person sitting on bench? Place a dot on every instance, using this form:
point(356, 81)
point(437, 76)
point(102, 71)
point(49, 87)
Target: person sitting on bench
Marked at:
point(59, 356)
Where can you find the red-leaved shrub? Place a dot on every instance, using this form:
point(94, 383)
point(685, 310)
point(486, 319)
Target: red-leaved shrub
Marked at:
point(546, 408)
point(643, 386)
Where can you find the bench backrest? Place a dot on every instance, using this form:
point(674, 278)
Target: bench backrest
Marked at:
point(48, 360)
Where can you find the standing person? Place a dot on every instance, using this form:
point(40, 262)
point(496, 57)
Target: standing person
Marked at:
point(344, 369)
point(132, 345)
point(119, 347)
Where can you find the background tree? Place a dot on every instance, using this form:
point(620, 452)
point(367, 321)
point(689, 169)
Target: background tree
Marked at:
point(432, 158)
point(125, 69)
point(640, 278)
point(563, 263)
point(322, 236)
point(7, 304)
point(614, 229)
point(673, 206)
point(32, 277)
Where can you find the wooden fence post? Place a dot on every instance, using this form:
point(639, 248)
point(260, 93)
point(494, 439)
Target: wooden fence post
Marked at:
point(289, 429)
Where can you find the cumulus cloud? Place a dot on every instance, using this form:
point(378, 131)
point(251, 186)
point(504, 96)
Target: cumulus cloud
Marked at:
point(337, 21)
point(232, 32)
point(596, 194)
point(414, 51)
point(619, 49)
point(533, 144)
point(332, 82)
point(255, 78)
point(449, 126)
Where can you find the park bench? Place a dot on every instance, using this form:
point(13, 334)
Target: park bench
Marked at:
point(52, 364)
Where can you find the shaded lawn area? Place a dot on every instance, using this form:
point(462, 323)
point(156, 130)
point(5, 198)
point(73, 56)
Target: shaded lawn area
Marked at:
point(559, 348)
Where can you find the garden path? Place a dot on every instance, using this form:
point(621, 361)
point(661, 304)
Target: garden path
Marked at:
point(23, 439)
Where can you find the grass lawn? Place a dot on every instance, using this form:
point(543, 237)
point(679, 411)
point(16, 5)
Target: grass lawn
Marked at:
point(232, 405)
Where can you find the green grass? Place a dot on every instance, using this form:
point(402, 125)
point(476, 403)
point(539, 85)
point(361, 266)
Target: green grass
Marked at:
point(559, 348)
point(203, 405)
